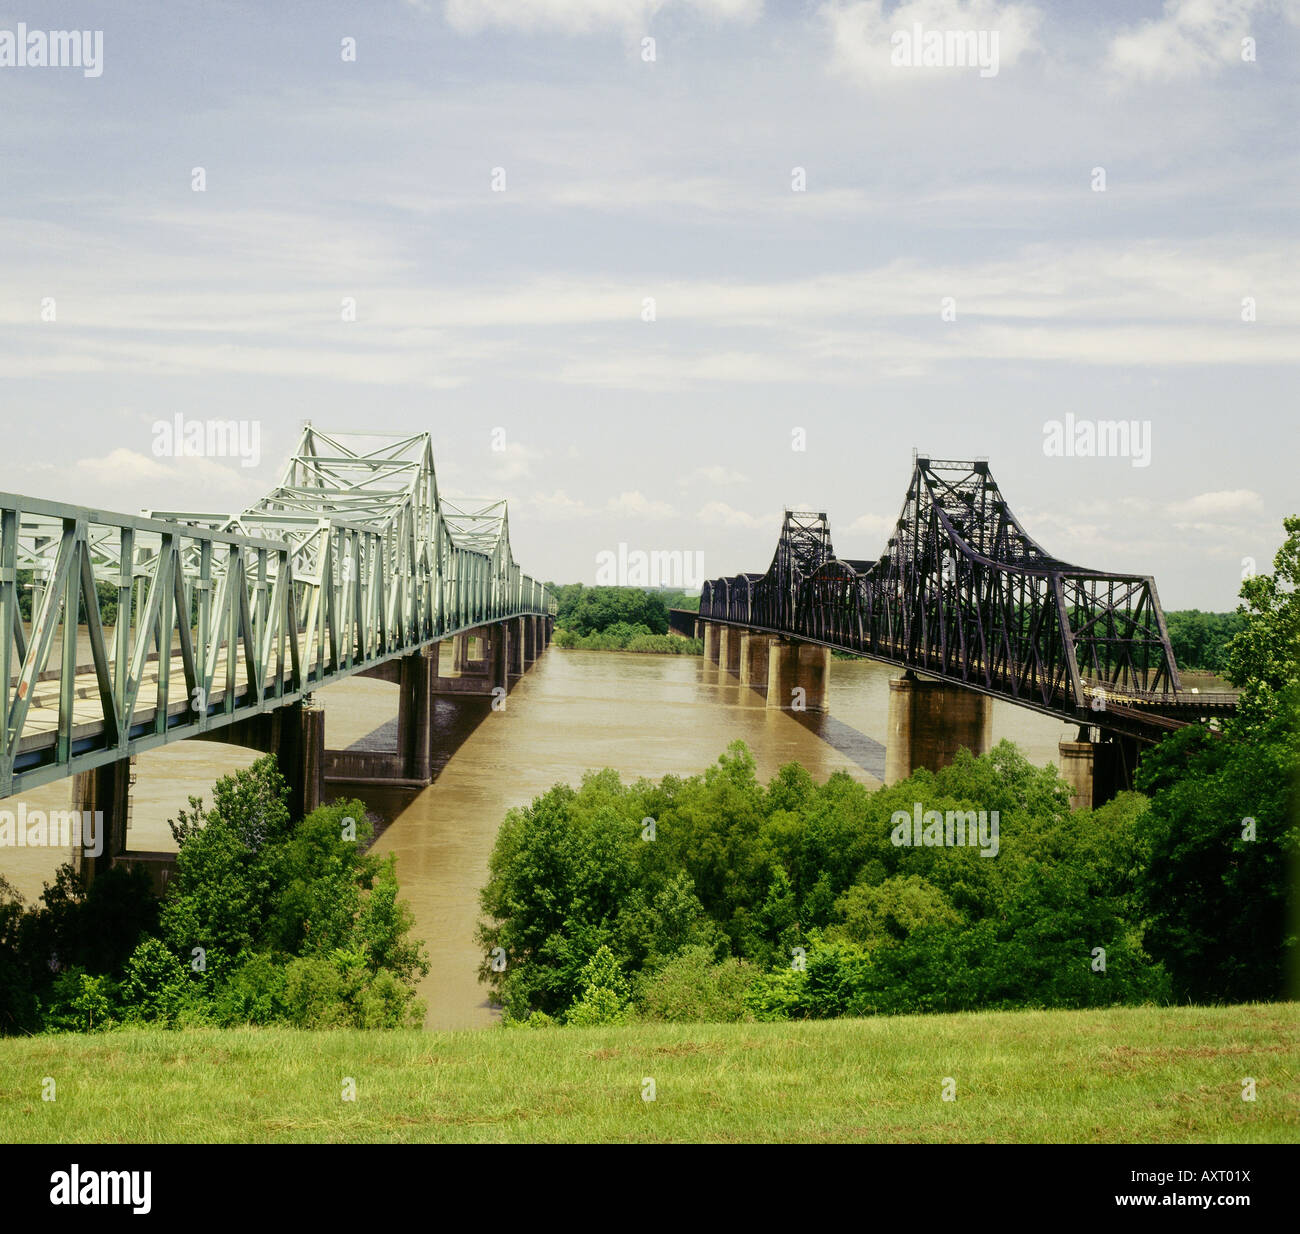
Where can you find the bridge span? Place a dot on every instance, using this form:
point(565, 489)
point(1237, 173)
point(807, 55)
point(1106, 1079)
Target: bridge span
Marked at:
point(122, 633)
point(971, 608)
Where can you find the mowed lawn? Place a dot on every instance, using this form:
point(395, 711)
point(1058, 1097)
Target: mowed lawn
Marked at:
point(1139, 1074)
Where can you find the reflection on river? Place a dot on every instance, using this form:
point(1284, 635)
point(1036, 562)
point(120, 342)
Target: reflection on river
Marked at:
point(574, 711)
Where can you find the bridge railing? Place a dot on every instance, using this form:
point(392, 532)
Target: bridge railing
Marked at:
point(121, 632)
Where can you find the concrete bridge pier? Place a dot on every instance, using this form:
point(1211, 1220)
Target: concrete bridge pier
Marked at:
point(106, 789)
point(754, 652)
point(712, 641)
point(296, 736)
point(797, 675)
point(491, 667)
point(1096, 770)
point(415, 714)
point(302, 756)
point(499, 656)
point(929, 721)
point(515, 645)
point(412, 761)
point(530, 640)
point(460, 650)
point(729, 648)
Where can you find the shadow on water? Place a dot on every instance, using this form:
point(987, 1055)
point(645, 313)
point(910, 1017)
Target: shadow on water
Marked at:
point(865, 752)
point(455, 719)
point(854, 744)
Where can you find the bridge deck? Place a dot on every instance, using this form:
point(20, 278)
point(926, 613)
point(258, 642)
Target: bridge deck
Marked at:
point(36, 763)
point(354, 559)
point(1122, 711)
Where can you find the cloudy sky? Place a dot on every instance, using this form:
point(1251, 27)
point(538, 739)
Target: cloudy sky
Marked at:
point(882, 256)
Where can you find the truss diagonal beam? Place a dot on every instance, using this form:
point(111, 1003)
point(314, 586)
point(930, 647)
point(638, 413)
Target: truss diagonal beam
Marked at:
point(963, 592)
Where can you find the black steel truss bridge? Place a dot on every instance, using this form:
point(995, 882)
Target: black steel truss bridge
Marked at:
point(963, 593)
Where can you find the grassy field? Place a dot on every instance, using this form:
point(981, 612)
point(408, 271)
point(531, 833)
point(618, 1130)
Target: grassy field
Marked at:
point(1145, 1074)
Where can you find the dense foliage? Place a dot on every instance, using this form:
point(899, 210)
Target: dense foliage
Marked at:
point(1224, 825)
point(591, 610)
point(718, 897)
point(622, 636)
point(266, 921)
point(1200, 640)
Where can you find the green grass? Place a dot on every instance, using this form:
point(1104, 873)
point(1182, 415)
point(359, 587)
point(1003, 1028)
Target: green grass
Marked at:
point(1126, 1075)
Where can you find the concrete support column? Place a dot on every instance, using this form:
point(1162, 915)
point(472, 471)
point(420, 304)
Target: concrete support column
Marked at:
point(729, 649)
point(498, 656)
point(929, 721)
point(300, 754)
point(415, 713)
point(712, 637)
point(515, 633)
point(754, 652)
point(1096, 770)
point(106, 790)
point(530, 639)
point(797, 676)
point(460, 653)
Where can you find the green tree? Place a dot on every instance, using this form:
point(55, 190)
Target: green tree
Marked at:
point(1223, 829)
point(606, 992)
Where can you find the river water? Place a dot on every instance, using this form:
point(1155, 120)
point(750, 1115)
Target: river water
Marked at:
point(573, 711)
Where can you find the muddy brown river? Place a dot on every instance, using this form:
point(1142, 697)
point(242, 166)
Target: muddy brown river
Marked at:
point(573, 711)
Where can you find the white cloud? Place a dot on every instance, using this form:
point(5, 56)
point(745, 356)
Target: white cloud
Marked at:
point(639, 506)
point(1221, 503)
point(729, 516)
point(1192, 37)
point(870, 525)
point(124, 468)
point(126, 481)
point(583, 16)
point(551, 507)
point(862, 34)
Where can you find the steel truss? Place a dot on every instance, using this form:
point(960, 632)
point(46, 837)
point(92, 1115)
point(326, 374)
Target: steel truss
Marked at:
point(353, 559)
point(963, 592)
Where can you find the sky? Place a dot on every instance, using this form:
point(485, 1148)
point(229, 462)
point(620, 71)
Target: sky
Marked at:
point(654, 293)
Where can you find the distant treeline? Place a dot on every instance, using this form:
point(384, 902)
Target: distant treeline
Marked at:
point(624, 636)
point(592, 610)
point(1200, 640)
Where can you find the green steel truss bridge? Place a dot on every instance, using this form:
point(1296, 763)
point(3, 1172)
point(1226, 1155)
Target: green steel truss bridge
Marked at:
point(152, 629)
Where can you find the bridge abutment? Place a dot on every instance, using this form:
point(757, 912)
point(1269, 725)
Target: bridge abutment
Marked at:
point(929, 721)
point(797, 675)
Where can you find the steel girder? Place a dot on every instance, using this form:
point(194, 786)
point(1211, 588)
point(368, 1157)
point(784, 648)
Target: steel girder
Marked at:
point(351, 560)
point(963, 592)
